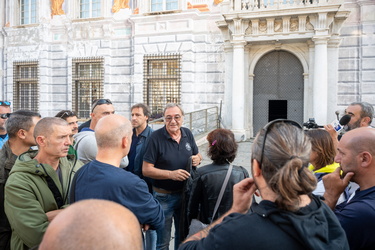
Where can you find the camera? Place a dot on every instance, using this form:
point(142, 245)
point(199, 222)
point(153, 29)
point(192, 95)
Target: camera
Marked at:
point(311, 124)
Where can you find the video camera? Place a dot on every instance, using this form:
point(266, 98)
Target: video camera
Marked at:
point(311, 124)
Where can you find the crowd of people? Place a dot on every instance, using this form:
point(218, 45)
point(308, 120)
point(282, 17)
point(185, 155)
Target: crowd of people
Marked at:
point(114, 183)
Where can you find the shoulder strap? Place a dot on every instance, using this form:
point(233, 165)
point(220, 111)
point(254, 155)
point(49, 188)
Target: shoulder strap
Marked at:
point(54, 189)
point(220, 197)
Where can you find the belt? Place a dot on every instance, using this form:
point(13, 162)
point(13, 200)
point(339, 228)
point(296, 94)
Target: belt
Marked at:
point(163, 191)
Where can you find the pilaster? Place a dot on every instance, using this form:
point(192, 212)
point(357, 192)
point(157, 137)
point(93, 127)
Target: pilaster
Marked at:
point(320, 83)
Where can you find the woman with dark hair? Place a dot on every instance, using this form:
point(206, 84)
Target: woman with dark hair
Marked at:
point(322, 157)
point(209, 179)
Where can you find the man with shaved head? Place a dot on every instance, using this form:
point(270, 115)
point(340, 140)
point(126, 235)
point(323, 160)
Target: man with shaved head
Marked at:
point(39, 183)
point(102, 178)
point(93, 224)
point(85, 142)
point(356, 155)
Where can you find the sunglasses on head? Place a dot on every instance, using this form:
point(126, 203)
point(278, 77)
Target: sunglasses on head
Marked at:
point(5, 116)
point(4, 103)
point(268, 127)
point(101, 102)
point(67, 114)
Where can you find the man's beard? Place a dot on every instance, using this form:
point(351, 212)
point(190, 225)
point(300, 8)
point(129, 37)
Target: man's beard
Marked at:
point(357, 124)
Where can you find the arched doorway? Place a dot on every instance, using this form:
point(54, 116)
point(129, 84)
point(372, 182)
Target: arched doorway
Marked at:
point(278, 89)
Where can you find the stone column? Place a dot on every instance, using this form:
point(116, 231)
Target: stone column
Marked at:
point(320, 86)
point(332, 76)
point(238, 90)
point(227, 107)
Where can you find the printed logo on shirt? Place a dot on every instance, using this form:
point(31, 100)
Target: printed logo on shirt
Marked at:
point(187, 146)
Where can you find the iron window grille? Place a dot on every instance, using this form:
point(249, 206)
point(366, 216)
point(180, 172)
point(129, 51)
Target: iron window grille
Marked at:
point(162, 81)
point(88, 78)
point(26, 85)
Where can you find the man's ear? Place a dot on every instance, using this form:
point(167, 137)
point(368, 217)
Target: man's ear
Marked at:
point(256, 168)
point(40, 140)
point(366, 159)
point(125, 142)
point(365, 121)
point(21, 134)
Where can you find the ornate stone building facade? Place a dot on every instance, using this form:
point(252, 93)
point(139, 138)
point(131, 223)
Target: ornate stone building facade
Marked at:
point(264, 59)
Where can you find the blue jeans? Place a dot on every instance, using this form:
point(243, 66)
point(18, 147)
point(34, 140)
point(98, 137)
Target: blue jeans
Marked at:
point(150, 240)
point(171, 205)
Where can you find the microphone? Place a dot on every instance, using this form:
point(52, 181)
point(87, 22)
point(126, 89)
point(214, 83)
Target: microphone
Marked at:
point(338, 125)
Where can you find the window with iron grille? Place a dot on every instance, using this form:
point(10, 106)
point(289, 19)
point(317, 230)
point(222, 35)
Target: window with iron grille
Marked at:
point(162, 5)
point(162, 81)
point(28, 11)
point(89, 8)
point(25, 85)
point(88, 78)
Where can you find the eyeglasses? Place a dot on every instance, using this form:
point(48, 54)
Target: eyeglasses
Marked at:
point(5, 116)
point(268, 127)
point(4, 103)
point(100, 102)
point(177, 118)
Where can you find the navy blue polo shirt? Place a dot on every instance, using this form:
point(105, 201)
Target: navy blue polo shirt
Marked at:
point(357, 218)
point(165, 153)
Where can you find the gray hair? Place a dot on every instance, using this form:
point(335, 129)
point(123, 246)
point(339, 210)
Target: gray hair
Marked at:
point(172, 105)
point(46, 126)
point(367, 109)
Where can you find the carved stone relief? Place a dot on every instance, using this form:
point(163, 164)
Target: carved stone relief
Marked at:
point(293, 24)
point(263, 27)
point(309, 26)
point(278, 25)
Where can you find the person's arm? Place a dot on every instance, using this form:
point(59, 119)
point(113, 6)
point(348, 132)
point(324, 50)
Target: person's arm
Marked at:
point(334, 185)
point(25, 213)
point(333, 133)
point(139, 200)
point(149, 170)
point(52, 214)
point(242, 198)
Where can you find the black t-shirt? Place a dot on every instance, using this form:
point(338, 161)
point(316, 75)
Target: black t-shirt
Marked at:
point(166, 153)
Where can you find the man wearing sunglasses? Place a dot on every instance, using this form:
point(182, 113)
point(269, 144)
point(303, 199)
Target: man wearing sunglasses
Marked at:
point(4, 114)
point(85, 142)
point(168, 151)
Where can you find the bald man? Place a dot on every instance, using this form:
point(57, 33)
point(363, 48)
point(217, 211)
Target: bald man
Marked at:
point(103, 178)
point(93, 224)
point(356, 155)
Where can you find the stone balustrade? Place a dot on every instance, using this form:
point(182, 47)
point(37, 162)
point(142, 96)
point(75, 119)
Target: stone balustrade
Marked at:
point(256, 5)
